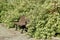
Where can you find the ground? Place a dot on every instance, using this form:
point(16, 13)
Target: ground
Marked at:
point(11, 34)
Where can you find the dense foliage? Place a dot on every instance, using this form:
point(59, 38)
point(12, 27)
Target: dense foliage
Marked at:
point(44, 15)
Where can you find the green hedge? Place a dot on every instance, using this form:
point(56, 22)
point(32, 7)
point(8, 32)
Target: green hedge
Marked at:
point(43, 24)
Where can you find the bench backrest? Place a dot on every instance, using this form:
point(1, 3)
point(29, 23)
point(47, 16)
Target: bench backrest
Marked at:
point(22, 20)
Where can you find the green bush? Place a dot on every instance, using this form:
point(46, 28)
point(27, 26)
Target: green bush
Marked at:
point(43, 24)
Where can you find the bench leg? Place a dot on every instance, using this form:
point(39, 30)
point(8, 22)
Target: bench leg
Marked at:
point(16, 27)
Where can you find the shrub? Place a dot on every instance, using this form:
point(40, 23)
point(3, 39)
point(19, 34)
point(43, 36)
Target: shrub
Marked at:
point(43, 22)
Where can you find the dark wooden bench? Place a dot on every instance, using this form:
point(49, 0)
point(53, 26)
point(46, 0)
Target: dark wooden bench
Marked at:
point(21, 23)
